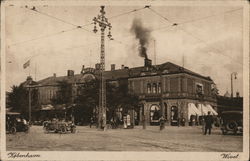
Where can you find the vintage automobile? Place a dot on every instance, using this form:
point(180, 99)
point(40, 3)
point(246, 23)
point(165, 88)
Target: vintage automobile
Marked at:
point(16, 123)
point(59, 126)
point(232, 121)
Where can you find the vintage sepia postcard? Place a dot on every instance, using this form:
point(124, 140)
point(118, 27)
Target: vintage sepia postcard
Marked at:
point(124, 80)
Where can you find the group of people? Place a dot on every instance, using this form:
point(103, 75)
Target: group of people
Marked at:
point(113, 122)
point(208, 121)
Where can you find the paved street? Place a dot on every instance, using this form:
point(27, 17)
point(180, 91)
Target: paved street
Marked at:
point(181, 139)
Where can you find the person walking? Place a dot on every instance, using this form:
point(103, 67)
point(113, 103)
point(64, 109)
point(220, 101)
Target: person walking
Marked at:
point(208, 123)
point(91, 122)
point(162, 123)
point(144, 121)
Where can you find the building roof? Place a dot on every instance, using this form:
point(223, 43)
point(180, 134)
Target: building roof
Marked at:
point(165, 68)
point(29, 81)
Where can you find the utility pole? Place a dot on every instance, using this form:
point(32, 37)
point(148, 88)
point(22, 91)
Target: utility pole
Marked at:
point(102, 21)
point(29, 104)
point(235, 77)
point(154, 52)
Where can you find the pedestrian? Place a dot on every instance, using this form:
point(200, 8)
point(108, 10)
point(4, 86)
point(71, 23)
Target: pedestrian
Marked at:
point(91, 122)
point(162, 123)
point(144, 121)
point(208, 123)
point(101, 123)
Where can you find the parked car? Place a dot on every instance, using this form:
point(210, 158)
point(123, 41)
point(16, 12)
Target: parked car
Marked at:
point(16, 123)
point(232, 121)
point(38, 122)
point(58, 126)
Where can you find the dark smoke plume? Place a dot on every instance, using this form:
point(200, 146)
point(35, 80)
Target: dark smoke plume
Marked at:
point(143, 35)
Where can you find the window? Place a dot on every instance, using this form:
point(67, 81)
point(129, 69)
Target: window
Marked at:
point(199, 89)
point(154, 113)
point(149, 88)
point(154, 88)
point(159, 88)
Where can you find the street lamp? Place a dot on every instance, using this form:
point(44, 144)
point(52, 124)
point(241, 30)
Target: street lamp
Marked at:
point(103, 23)
point(233, 75)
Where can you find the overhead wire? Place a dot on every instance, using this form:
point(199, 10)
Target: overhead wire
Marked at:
point(77, 26)
point(64, 31)
point(152, 10)
point(42, 37)
point(206, 17)
point(194, 20)
point(175, 24)
point(74, 47)
point(59, 19)
point(125, 13)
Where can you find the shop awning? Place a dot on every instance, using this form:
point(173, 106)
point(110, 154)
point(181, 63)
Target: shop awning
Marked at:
point(210, 108)
point(203, 109)
point(196, 109)
point(192, 110)
point(47, 107)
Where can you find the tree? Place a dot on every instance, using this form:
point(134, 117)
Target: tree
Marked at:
point(116, 97)
point(64, 95)
point(86, 101)
point(18, 99)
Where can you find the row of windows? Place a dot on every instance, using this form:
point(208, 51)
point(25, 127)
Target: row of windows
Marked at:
point(154, 88)
point(47, 95)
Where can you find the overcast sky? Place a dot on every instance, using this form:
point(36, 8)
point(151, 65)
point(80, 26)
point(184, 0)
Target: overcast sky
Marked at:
point(209, 38)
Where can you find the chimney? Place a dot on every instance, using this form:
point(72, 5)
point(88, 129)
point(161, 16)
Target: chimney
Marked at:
point(147, 62)
point(112, 67)
point(29, 78)
point(122, 66)
point(70, 73)
point(237, 94)
point(97, 66)
point(82, 71)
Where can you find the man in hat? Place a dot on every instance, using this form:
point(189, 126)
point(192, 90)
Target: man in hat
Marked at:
point(208, 123)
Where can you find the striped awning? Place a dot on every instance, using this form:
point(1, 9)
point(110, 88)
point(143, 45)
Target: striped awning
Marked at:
point(210, 108)
point(192, 110)
point(203, 109)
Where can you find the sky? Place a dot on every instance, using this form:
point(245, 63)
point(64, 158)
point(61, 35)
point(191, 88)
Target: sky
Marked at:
point(207, 40)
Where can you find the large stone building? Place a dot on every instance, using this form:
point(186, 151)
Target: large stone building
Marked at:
point(166, 89)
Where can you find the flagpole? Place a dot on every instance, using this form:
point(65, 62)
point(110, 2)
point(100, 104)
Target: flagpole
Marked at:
point(35, 71)
point(29, 67)
point(29, 70)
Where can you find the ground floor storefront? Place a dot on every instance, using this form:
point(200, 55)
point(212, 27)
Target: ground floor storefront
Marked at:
point(177, 112)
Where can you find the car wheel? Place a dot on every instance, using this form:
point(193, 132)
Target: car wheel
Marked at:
point(224, 132)
point(13, 130)
point(63, 130)
point(231, 125)
point(73, 130)
point(235, 131)
point(46, 129)
point(26, 130)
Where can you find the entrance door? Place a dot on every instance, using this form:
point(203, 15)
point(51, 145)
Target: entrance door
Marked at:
point(154, 115)
point(174, 116)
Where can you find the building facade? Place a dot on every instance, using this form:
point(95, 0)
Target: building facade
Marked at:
point(165, 90)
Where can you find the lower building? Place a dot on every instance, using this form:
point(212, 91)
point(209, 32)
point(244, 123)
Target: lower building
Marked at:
point(167, 90)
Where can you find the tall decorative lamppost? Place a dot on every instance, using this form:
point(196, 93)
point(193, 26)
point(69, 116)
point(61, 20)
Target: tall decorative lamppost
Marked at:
point(103, 23)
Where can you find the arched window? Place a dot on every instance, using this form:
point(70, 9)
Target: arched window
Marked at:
point(154, 114)
point(154, 88)
point(149, 88)
point(159, 88)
